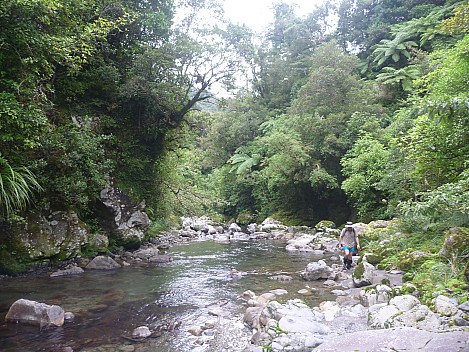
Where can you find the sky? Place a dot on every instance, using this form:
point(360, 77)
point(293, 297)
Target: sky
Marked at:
point(257, 14)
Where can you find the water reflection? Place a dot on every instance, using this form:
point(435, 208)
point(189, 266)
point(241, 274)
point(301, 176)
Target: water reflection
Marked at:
point(110, 304)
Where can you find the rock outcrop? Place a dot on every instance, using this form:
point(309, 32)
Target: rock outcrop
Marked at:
point(124, 219)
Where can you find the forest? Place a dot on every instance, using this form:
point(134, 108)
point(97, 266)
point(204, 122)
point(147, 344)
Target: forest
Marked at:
point(360, 118)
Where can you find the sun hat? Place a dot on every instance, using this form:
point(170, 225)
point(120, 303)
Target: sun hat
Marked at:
point(349, 224)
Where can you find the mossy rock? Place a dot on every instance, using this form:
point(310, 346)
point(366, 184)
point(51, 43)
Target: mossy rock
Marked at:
point(246, 217)
point(323, 224)
point(359, 271)
point(373, 259)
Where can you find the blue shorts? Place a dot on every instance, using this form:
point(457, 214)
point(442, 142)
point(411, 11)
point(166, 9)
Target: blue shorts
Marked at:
point(350, 249)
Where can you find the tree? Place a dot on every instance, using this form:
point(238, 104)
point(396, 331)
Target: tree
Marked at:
point(365, 165)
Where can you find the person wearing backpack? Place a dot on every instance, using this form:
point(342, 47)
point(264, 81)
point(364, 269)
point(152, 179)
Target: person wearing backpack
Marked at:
point(348, 239)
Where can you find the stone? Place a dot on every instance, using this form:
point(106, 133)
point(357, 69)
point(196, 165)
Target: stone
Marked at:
point(283, 278)
point(464, 306)
point(197, 331)
point(234, 227)
point(330, 310)
point(404, 302)
point(444, 306)
point(34, 313)
point(316, 270)
point(73, 270)
point(141, 332)
point(45, 234)
point(363, 274)
point(69, 316)
point(279, 292)
point(380, 318)
point(103, 263)
point(377, 294)
point(124, 220)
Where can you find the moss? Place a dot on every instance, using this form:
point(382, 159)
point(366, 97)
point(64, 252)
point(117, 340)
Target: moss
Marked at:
point(386, 282)
point(373, 259)
point(407, 277)
point(325, 224)
point(10, 264)
point(359, 271)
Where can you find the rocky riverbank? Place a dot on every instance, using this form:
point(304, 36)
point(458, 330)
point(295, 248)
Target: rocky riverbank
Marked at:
point(370, 307)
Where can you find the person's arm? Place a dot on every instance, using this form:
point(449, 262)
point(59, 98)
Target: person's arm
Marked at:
point(340, 238)
point(357, 241)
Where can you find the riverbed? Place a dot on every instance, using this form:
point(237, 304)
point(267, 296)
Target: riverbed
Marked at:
point(202, 284)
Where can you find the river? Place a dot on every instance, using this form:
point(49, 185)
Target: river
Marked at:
point(172, 297)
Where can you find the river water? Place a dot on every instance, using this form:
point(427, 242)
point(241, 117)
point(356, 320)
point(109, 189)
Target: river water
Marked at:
point(195, 288)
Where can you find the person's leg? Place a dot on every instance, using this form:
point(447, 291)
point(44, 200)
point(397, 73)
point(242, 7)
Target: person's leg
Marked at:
point(346, 257)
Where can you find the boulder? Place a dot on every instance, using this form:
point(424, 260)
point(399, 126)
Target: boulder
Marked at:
point(234, 227)
point(35, 313)
point(363, 274)
point(376, 294)
point(300, 244)
point(316, 270)
point(404, 311)
point(59, 234)
point(103, 263)
point(445, 306)
point(270, 224)
point(293, 326)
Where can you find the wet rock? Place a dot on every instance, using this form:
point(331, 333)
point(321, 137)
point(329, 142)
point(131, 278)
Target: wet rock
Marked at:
point(34, 313)
point(103, 263)
point(197, 331)
point(98, 308)
point(73, 270)
point(112, 295)
point(69, 316)
point(141, 332)
point(305, 292)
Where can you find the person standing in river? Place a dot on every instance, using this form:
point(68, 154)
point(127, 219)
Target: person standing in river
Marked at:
point(348, 240)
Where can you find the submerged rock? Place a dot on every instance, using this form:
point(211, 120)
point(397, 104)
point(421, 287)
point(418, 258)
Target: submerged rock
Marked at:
point(35, 313)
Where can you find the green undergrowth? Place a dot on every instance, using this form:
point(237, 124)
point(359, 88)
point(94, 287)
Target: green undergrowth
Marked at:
point(434, 262)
